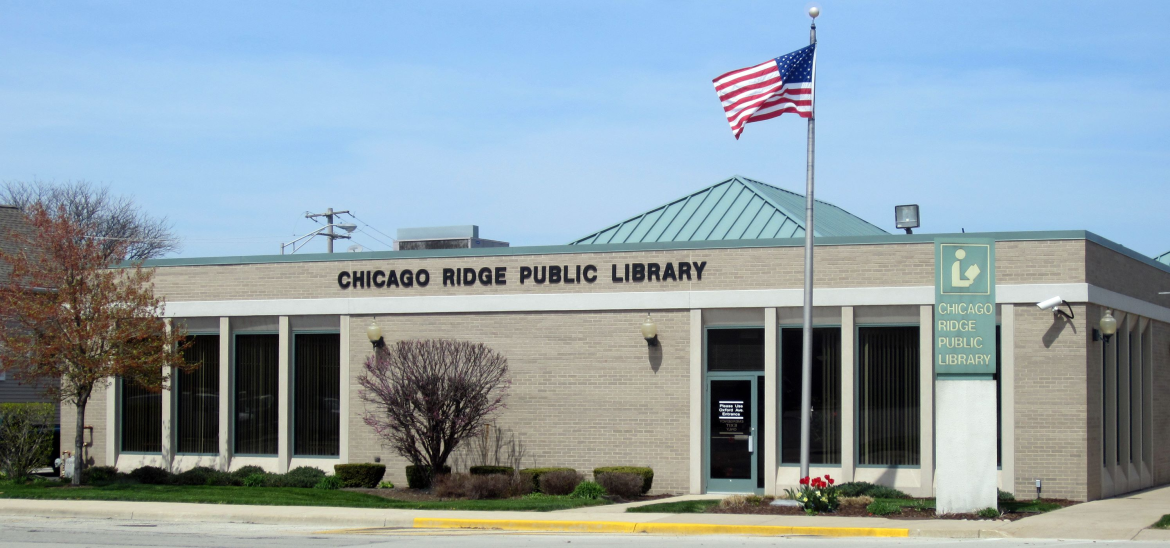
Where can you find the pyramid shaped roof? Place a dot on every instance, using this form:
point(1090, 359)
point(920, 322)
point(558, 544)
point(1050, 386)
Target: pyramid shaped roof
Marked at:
point(735, 209)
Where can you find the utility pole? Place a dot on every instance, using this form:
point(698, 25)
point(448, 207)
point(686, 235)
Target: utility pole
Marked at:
point(329, 235)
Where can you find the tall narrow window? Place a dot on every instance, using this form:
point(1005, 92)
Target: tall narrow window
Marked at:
point(888, 398)
point(257, 384)
point(998, 400)
point(1117, 395)
point(317, 399)
point(825, 426)
point(198, 398)
point(1133, 438)
point(141, 419)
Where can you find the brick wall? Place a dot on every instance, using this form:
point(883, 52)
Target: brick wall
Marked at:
point(95, 416)
point(1051, 402)
point(587, 390)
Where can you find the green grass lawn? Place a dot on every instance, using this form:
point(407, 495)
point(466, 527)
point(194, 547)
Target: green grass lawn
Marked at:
point(276, 496)
point(1163, 523)
point(681, 507)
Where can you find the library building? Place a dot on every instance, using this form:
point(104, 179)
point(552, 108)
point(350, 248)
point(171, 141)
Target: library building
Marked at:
point(673, 339)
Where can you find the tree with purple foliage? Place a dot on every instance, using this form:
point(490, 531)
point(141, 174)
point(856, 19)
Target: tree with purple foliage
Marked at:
point(424, 397)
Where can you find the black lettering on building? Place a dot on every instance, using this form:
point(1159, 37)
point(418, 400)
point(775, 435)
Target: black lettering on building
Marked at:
point(668, 273)
point(343, 280)
point(590, 269)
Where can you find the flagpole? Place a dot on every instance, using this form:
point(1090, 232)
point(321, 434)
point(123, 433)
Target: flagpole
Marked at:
point(806, 348)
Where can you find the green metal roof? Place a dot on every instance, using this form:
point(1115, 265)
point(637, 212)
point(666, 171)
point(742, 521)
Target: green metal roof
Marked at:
point(735, 209)
point(1163, 258)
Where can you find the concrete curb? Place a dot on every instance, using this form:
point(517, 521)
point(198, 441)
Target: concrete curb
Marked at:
point(653, 528)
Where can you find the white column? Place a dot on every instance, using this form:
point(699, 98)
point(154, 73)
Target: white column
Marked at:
point(168, 412)
point(283, 449)
point(926, 402)
point(771, 416)
point(1007, 402)
point(226, 396)
point(113, 424)
point(848, 395)
point(696, 406)
point(343, 441)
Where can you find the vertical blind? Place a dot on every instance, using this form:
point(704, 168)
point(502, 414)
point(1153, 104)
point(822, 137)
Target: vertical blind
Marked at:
point(317, 394)
point(141, 419)
point(257, 382)
point(197, 402)
point(888, 380)
point(825, 426)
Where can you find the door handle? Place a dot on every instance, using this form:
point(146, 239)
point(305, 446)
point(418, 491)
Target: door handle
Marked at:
point(750, 438)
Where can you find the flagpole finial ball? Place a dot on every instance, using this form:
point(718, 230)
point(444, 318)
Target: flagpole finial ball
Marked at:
point(814, 12)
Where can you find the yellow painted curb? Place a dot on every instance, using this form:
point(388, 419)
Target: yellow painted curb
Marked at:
point(654, 528)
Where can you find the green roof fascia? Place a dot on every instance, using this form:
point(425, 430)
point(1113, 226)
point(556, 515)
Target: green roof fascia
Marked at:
point(1163, 258)
point(651, 246)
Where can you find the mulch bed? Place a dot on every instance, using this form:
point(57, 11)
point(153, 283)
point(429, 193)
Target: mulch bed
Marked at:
point(859, 511)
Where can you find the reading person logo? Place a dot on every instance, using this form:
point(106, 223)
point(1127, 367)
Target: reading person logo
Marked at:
point(966, 269)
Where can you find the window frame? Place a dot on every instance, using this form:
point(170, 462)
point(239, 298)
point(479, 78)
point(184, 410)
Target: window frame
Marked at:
point(233, 372)
point(176, 406)
point(857, 395)
point(292, 365)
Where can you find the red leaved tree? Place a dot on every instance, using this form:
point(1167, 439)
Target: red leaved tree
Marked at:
point(71, 319)
point(425, 397)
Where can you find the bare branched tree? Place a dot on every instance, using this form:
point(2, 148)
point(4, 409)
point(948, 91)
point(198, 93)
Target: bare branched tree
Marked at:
point(425, 397)
point(108, 218)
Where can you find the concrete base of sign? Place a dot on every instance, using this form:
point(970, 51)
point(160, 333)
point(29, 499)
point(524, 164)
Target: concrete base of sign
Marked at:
point(965, 446)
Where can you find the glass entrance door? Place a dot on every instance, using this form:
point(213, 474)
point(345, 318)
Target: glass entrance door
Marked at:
point(733, 440)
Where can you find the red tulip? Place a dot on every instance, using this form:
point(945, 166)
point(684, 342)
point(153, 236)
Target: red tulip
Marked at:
point(804, 480)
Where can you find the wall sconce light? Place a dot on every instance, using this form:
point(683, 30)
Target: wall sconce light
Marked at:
point(650, 331)
point(375, 335)
point(1108, 325)
point(87, 436)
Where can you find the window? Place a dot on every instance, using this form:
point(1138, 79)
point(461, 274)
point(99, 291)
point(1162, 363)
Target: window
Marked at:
point(141, 419)
point(735, 349)
point(198, 397)
point(257, 383)
point(317, 394)
point(888, 396)
point(825, 426)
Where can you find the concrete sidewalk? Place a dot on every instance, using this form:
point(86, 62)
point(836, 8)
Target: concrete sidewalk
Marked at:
point(1122, 518)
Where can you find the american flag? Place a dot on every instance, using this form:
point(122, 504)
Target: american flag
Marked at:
point(767, 90)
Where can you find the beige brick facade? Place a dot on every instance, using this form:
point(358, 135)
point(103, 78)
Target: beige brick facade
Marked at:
point(588, 391)
point(574, 402)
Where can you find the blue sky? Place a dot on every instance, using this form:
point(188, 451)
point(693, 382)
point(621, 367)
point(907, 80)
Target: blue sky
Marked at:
point(545, 121)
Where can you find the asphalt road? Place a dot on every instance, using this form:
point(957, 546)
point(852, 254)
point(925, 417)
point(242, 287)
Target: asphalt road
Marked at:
point(67, 532)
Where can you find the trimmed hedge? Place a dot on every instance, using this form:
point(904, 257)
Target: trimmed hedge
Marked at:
point(246, 471)
point(364, 474)
point(151, 475)
point(416, 477)
point(867, 489)
point(646, 472)
point(537, 472)
point(489, 470)
point(99, 474)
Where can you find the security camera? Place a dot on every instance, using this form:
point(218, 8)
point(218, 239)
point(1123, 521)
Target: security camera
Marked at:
point(1049, 304)
point(1053, 304)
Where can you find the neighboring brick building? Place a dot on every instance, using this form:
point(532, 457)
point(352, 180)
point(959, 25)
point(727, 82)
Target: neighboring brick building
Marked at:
point(11, 391)
point(1088, 418)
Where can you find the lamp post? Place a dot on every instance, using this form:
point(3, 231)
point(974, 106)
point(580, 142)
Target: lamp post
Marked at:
point(374, 333)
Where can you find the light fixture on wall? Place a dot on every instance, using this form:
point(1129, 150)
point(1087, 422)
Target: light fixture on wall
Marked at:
point(1108, 326)
point(375, 335)
point(650, 331)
